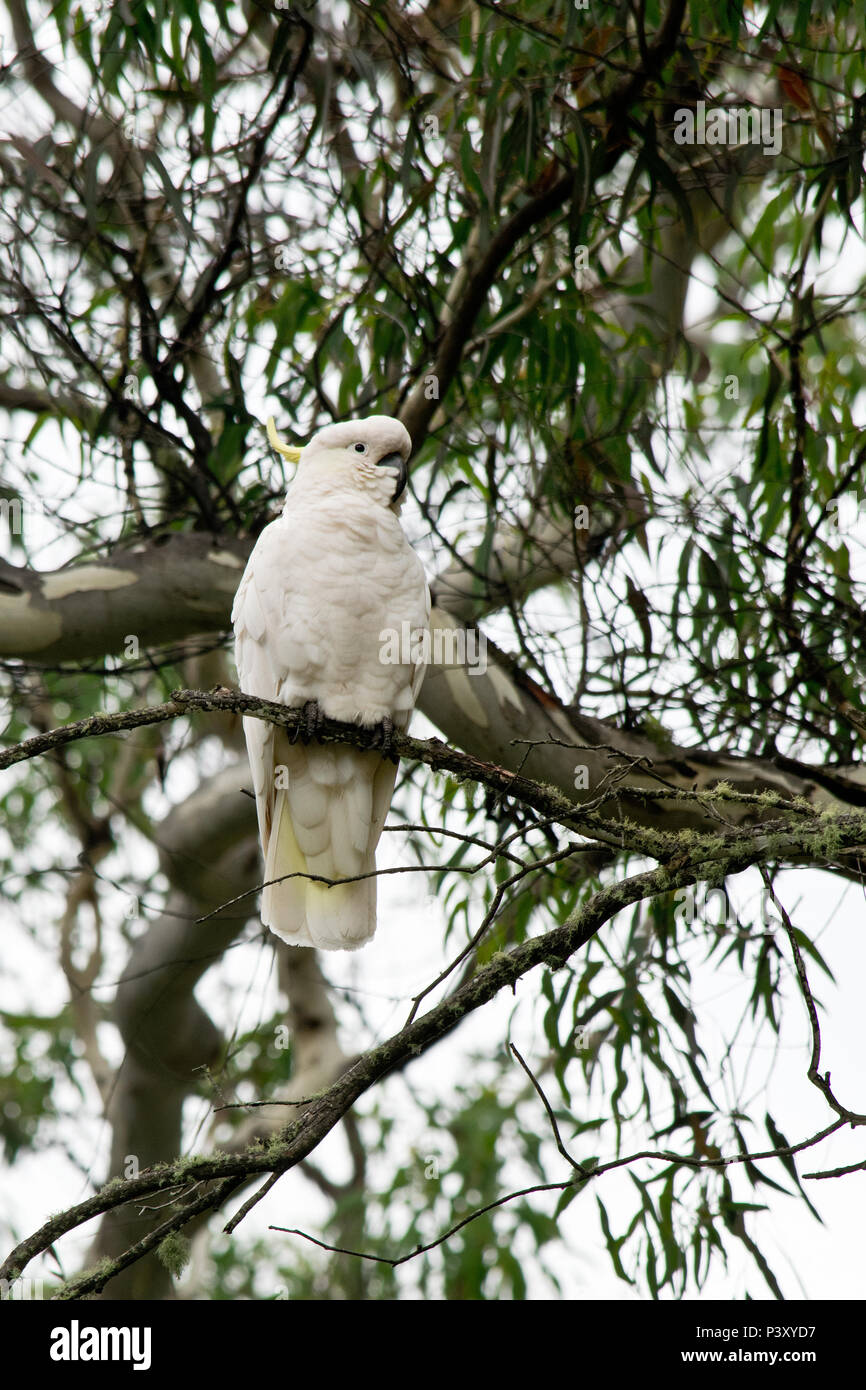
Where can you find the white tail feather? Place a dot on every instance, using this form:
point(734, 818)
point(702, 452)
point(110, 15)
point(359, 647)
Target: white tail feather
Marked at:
point(305, 913)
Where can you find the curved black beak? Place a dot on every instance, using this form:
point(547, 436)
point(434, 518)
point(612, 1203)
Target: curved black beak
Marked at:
point(397, 461)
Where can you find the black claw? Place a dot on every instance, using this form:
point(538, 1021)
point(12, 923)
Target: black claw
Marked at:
point(385, 740)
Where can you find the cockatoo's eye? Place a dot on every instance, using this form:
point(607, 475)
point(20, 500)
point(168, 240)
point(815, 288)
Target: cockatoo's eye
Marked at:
point(360, 448)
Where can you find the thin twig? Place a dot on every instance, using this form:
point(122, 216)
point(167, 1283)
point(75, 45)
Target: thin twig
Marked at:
point(578, 1167)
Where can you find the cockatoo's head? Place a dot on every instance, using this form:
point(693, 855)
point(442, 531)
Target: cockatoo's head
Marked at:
point(371, 454)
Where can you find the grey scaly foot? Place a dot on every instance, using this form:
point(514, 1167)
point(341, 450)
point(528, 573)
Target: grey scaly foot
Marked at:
point(309, 724)
point(385, 740)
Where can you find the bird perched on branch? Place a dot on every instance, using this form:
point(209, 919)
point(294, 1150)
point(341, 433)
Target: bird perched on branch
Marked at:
point(326, 587)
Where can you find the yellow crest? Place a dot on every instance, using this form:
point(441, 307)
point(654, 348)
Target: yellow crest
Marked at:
point(288, 451)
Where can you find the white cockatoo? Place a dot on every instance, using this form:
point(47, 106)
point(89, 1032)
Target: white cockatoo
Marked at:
point(331, 614)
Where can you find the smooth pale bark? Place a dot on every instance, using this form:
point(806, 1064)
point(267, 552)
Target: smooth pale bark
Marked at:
point(209, 852)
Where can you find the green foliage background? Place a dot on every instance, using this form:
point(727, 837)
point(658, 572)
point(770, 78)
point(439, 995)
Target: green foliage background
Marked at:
point(265, 211)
